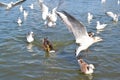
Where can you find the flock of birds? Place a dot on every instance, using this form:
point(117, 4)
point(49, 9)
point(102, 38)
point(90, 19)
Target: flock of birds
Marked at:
point(83, 38)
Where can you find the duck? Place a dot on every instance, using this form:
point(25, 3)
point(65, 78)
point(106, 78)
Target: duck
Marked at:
point(30, 37)
point(100, 26)
point(79, 31)
point(85, 67)
point(11, 4)
point(47, 46)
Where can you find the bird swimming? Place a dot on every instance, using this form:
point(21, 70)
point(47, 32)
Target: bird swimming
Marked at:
point(11, 4)
point(90, 17)
point(21, 8)
point(85, 67)
point(31, 6)
point(29, 37)
point(52, 18)
point(44, 9)
point(113, 16)
point(25, 14)
point(103, 1)
point(100, 26)
point(79, 31)
point(19, 21)
point(47, 45)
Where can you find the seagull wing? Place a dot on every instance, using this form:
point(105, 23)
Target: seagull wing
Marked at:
point(3, 4)
point(18, 2)
point(77, 28)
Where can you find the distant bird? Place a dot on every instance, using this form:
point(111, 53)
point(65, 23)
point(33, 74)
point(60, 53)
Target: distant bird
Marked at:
point(30, 37)
point(19, 21)
point(100, 26)
point(31, 6)
point(21, 8)
point(47, 45)
point(44, 9)
point(118, 2)
point(103, 1)
point(86, 68)
point(90, 17)
point(25, 14)
point(11, 4)
point(113, 16)
point(79, 31)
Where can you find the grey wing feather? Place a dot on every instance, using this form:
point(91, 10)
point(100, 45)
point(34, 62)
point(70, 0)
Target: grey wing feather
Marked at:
point(73, 25)
point(3, 4)
point(18, 2)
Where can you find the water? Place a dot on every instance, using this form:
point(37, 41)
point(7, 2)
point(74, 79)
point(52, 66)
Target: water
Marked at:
point(22, 61)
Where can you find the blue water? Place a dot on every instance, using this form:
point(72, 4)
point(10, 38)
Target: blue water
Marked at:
point(22, 61)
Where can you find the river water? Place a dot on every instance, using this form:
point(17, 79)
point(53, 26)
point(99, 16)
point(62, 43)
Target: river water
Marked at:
point(22, 61)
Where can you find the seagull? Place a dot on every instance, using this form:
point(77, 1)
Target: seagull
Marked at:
point(29, 37)
point(52, 17)
point(25, 14)
point(103, 1)
point(100, 26)
point(31, 6)
point(113, 16)
point(79, 31)
point(19, 21)
point(21, 8)
point(11, 4)
point(85, 67)
point(47, 45)
point(118, 2)
point(44, 9)
point(90, 17)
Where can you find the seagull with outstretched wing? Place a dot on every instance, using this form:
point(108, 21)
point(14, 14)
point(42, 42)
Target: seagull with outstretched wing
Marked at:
point(79, 31)
point(11, 4)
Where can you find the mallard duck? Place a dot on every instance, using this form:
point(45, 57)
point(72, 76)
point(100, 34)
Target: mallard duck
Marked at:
point(47, 45)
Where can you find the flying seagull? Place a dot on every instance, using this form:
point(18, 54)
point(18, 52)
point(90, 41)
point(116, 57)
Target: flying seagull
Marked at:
point(79, 31)
point(11, 4)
